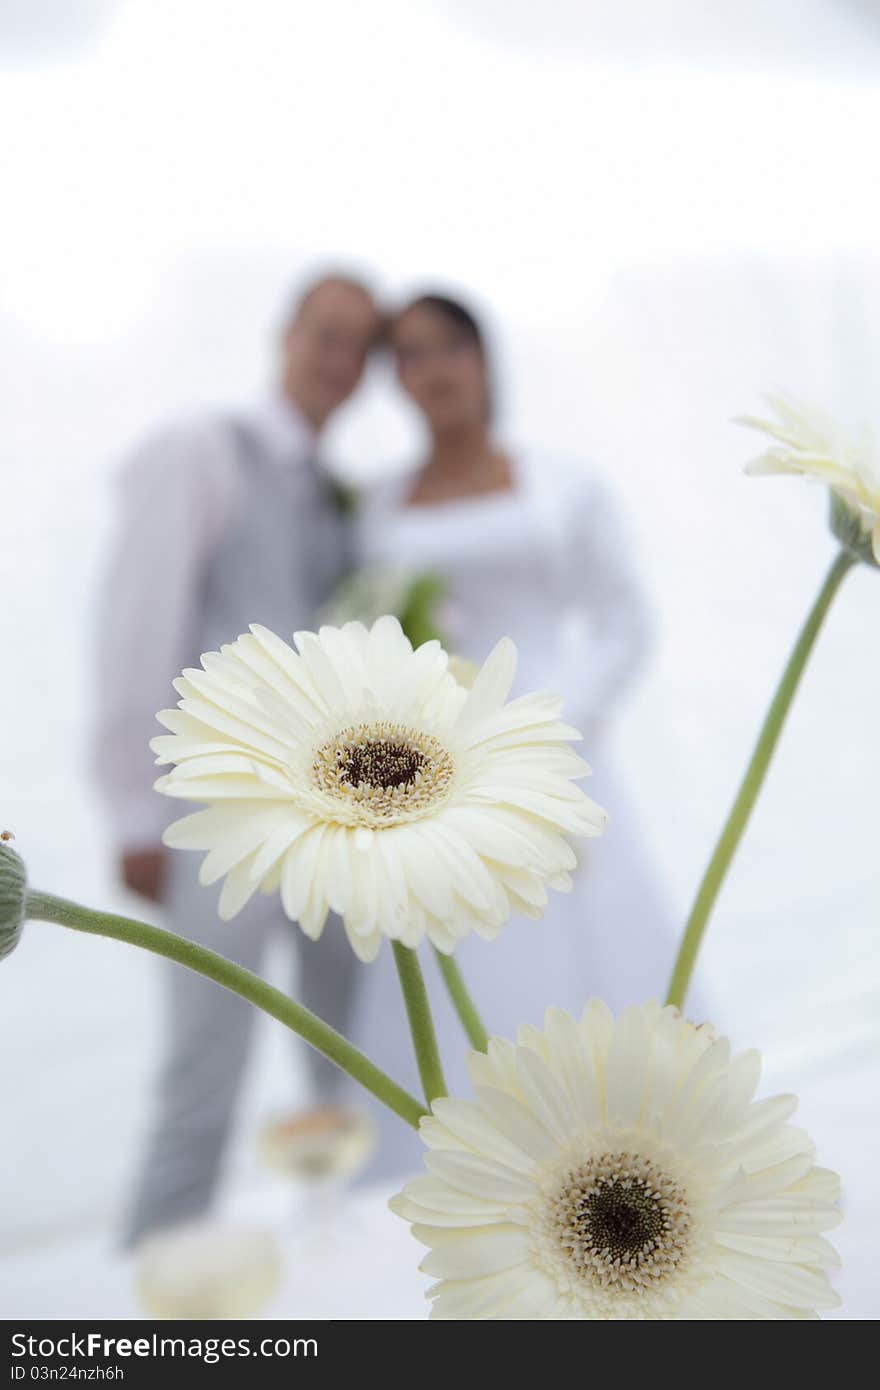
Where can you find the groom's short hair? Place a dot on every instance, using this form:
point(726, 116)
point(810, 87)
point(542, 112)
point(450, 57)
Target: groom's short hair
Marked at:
point(307, 291)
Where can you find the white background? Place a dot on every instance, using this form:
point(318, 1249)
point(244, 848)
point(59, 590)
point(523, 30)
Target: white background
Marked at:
point(665, 210)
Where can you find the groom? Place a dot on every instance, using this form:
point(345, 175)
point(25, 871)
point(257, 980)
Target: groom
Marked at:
point(226, 521)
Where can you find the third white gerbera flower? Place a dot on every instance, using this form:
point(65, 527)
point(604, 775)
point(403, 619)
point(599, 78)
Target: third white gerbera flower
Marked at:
point(359, 776)
point(621, 1170)
point(808, 442)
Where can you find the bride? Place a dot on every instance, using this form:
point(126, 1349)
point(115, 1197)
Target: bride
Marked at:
point(529, 546)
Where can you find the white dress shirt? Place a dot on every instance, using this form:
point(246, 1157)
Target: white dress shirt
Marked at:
point(177, 493)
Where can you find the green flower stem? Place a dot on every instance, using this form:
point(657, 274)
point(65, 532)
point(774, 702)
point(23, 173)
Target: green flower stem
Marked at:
point(421, 1024)
point(752, 782)
point(464, 1005)
point(46, 908)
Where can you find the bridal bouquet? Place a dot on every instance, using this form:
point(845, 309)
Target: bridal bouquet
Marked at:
point(606, 1167)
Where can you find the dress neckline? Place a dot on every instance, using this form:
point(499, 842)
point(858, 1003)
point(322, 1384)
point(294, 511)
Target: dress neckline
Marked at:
point(465, 500)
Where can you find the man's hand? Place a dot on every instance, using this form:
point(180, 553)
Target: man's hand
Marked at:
point(143, 871)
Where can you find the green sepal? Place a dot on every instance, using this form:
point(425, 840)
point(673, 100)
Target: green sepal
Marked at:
point(13, 895)
point(848, 527)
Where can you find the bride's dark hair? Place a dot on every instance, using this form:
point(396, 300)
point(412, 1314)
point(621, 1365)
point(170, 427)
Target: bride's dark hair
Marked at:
point(467, 322)
point(452, 309)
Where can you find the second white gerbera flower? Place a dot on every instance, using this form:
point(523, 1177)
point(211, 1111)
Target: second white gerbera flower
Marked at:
point(620, 1169)
point(357, 775)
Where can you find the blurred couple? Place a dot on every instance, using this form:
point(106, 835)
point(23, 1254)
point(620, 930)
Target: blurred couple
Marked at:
point(233, 519)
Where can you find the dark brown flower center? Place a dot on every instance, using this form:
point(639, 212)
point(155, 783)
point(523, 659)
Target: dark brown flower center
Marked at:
point(621, 1221)
point(622, 1218)
point(381, 763)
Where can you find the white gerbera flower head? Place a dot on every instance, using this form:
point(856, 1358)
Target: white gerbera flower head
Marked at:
point(810, 443)
point(620, 1170)
point(359, 776)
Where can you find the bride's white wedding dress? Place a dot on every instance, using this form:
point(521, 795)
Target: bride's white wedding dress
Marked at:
point(547, 564)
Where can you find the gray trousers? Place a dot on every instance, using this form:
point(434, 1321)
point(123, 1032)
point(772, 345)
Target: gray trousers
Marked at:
point(206, 1031)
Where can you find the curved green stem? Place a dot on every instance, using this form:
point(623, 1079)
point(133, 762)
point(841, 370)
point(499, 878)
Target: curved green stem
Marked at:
point(46, 908)
point(464, 1005)
point(752, 782)
point(421, 1024)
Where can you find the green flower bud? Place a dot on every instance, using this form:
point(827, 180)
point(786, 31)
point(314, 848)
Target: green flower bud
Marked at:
point(851, 530)
point(13, 891)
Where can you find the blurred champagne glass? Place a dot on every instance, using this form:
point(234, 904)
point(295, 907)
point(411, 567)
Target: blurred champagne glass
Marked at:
point(322, 1150)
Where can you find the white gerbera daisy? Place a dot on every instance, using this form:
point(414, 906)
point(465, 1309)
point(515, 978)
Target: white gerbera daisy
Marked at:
point(621, 1170)
point(359, 776)
point(810, 443)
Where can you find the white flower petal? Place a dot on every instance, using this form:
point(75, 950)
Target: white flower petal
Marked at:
point(469, 1255)
point(514, 1120)
point(791, 1284)
point(801, 1249)
point(478, 1176)
point(778, 1216)
point(723, 1300)
point(573, 1065)
point(627, 1068)
point(820, 1184)
point(365, 947)
point(298, 871)
point(469, 1123)
point(544, 1094)
point(511, 1293)
point(489, 691)
point(431, 1203)
point(238, 888)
